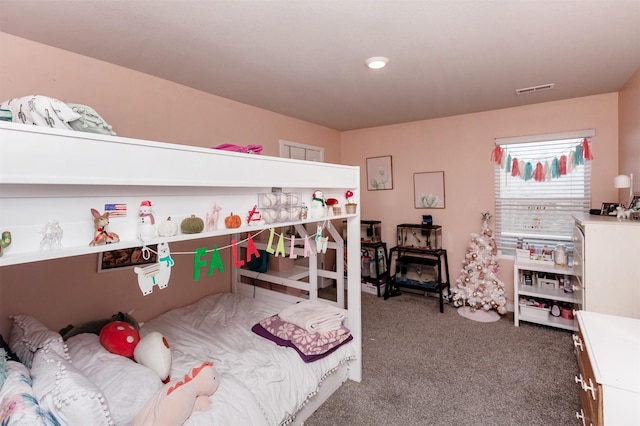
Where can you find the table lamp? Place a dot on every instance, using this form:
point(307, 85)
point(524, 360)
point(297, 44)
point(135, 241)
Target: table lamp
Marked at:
point(624, 181)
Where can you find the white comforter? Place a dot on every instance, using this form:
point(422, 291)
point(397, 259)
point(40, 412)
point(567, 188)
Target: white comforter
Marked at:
point(260, 382)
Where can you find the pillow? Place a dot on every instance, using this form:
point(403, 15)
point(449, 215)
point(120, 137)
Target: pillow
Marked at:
point(66, 392)
point(18, 405)
point(28, 335)
point(41, 111)
point(89, 121)
point(112, 373)
point(9, 353)
point(3, 367)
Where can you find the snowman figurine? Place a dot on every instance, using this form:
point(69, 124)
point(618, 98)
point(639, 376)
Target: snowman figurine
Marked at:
point(318, 207)
point(146, 222)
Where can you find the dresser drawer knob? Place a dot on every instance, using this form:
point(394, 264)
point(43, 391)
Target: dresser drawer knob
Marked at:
point(577, 342)
point(590, 387)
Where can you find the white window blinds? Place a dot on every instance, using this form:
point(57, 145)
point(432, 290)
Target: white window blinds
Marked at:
point(540, 212)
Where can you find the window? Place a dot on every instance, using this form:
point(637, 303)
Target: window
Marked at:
point(301, 151)
point(540, 211)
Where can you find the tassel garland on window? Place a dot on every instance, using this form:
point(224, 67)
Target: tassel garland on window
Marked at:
point(560, 166)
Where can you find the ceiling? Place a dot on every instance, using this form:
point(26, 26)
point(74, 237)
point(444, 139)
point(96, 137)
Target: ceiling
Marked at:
point(305, 58)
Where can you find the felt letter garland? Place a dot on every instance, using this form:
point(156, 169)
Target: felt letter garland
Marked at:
point(234, 250)
point(215, 262)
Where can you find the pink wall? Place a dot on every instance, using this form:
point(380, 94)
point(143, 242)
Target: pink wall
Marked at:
point(139, 106)
point(461, 147)
point(629, 128)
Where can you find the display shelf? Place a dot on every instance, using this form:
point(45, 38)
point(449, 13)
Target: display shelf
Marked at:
point(35, 188)
point(551, 295)
point(403, 278)
point(13, 256)
point(381, 262)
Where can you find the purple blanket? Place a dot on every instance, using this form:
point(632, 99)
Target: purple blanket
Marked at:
point(310, 346)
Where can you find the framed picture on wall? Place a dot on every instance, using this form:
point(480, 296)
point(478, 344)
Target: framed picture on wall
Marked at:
point(428, 190)
point(379, 173)
point(125, 258)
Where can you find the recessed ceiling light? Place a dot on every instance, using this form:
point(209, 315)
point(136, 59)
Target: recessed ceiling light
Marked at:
point(377, 62)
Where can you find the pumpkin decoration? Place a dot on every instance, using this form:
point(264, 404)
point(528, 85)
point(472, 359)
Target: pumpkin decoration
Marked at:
point(192, 225)
point(168, 228)
point(232, 221)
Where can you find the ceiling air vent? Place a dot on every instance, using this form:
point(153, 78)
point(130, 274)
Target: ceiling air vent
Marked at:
point(535, 89)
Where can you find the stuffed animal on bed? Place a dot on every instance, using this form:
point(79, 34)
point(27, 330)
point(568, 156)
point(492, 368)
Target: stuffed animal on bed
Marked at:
point(174, 403)
point(94, 327)
point(153, 351)
point(120, 338)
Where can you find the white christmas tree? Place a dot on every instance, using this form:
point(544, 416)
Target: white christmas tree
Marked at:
point(479, 286)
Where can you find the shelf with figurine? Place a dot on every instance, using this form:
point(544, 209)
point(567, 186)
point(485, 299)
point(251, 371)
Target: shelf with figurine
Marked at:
point(46, 202)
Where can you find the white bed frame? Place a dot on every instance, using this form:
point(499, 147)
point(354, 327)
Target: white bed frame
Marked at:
point(59, 174)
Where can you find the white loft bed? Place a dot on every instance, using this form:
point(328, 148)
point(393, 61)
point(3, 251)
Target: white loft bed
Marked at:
point(58, 174)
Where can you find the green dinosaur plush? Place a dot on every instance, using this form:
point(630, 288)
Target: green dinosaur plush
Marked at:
point(94, 327)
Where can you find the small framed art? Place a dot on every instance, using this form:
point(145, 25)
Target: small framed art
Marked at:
point(379, 173)
point(123, 258)
point(635, 202)
point(428, 190)
point(608, 209)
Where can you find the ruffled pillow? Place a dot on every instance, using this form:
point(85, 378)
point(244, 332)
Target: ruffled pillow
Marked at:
point(66, 392)
point(28, 335)
point(112, 373)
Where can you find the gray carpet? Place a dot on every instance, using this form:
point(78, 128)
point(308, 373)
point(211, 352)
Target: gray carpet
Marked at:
point(421, 367)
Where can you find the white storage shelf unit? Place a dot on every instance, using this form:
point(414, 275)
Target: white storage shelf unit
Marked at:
point(544, 317)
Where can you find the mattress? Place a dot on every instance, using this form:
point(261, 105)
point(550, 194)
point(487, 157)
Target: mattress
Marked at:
point(260, 382)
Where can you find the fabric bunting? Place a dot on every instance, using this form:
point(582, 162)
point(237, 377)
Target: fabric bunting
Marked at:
point(559, 166)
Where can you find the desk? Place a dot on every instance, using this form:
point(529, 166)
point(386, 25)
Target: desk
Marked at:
point(419, 269)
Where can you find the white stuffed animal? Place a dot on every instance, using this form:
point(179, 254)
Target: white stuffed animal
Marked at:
point(623, 213)
point(318, 207)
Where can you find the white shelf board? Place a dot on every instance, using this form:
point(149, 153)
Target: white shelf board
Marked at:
point(552, 321)
point(15, 258)
point(538, 266)
point(548, 293)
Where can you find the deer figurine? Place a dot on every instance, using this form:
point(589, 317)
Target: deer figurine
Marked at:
point(101, 235)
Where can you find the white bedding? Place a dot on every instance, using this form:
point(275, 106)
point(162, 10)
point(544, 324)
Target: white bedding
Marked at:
point(260, 382)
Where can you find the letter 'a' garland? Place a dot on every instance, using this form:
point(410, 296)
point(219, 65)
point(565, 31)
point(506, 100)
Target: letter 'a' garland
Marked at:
point(545, 170)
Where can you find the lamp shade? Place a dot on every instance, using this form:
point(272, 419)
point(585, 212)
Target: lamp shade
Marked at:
point(622, 181)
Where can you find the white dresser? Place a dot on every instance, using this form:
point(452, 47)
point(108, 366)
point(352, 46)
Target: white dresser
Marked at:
point(608, 352)
point(606, 262)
